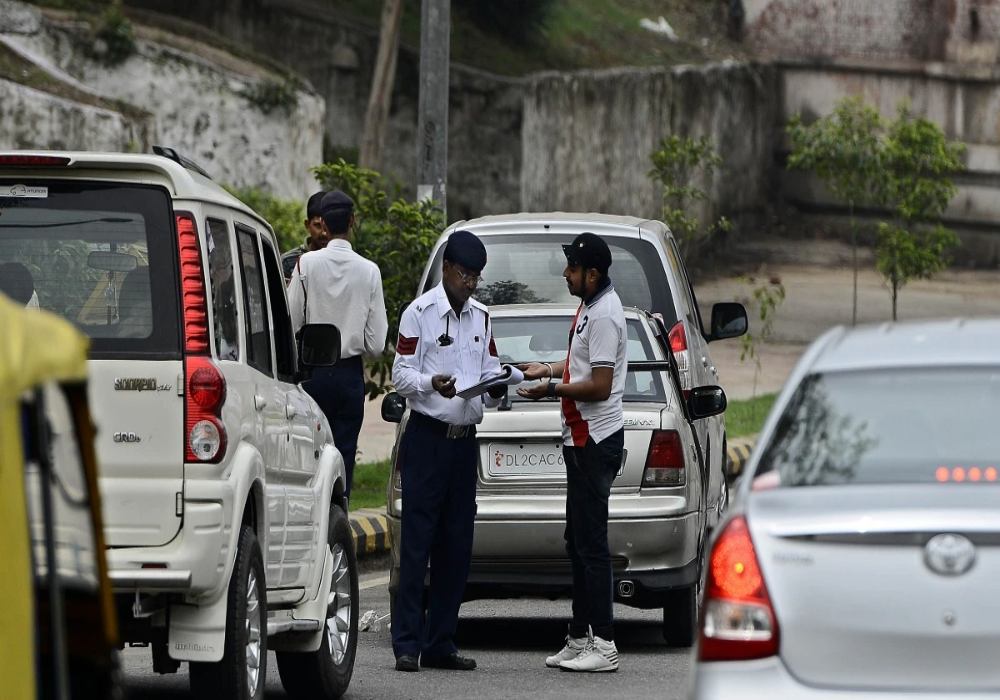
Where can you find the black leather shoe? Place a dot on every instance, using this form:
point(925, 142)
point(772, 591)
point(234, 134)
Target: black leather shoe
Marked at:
point(408, 663)
point(452, 662)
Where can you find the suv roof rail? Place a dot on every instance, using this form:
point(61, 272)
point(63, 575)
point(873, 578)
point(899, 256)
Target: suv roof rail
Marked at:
point(173, 155)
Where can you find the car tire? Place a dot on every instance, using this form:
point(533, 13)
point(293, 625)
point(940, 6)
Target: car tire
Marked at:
point(242, 672)
point(326, 672)
point(680, 617)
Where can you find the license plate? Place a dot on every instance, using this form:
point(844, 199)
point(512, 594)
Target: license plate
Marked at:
point(526, 458)
point(530, 458)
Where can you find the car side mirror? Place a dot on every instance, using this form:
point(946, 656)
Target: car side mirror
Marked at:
point(393, 406)
point(706, 401)
point(319, 345)
point(729, 320)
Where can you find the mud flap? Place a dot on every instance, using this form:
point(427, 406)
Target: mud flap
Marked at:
point(198, 632)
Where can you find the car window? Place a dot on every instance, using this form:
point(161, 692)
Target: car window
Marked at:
point(284, 342)
point(545, 339)
point(528, 268)
point(888, 426)
point(96, 254)
point(223, 282)
point(255, 320)
point(684, 283)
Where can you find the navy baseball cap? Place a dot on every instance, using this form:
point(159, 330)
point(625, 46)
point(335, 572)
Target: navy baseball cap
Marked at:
point(314, 206)
point(335, 199)
point(588, 250)
point(465, 248)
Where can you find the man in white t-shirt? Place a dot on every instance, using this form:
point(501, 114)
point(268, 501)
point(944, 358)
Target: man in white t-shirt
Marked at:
point(591, 389)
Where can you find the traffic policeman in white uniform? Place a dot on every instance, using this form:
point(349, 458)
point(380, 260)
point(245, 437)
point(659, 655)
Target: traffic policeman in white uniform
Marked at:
point(336, 285)
point(445, 345)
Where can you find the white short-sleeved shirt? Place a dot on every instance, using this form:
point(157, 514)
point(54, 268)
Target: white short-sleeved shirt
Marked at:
point(596, 339)
point(470, 357)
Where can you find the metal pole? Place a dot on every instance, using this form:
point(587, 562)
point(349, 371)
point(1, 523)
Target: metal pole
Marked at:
point(432, 123)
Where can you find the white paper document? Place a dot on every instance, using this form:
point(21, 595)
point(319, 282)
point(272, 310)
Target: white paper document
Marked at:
point(509, 375)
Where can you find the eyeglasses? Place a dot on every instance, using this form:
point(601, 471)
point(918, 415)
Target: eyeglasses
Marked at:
point(466, 279)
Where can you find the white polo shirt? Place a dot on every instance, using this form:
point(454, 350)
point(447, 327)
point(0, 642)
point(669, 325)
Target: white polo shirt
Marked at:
point(597, 339)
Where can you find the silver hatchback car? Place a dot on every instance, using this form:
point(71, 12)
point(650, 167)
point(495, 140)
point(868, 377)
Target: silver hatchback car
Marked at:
point(659, 506)
point(862, 556)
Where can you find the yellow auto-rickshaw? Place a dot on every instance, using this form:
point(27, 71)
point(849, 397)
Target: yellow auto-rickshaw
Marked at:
point(58, 631)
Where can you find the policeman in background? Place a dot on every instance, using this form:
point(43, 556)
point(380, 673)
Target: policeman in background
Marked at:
point(336, 285)
point(316, 236)
point(445, 341)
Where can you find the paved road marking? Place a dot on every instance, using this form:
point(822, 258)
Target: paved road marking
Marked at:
point(374, 582)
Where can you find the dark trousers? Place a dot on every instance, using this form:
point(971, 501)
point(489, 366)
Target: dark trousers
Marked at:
point(340, 392)
point(590, 471)
point(439, 511)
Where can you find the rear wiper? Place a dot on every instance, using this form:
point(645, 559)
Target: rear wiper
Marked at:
point(106, 220)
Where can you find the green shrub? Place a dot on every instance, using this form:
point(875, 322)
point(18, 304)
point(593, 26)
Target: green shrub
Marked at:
point(114, 40)
point(284, 215)
point(270, 95)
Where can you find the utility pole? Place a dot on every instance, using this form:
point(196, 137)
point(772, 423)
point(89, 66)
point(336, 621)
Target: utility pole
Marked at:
point(432, 123)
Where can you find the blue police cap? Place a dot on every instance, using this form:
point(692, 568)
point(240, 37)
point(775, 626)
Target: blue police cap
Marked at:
point(335, 199)
point(465, 248)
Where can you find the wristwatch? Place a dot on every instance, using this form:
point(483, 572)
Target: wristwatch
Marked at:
point(551, 389)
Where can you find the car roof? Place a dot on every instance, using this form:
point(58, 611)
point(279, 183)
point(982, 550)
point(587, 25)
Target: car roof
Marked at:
point(186, 183)
point(521, 310)
point(940, 343)
point(605, 222)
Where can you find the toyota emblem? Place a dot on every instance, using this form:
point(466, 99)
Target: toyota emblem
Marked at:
point(949, 555)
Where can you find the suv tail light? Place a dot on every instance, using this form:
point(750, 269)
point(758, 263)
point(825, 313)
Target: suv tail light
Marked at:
point(32, 161)
point(679, 346)
point(738, 620)
point(665, 461)
point(204, 385)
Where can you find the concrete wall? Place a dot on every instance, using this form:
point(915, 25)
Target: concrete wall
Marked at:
point(197, 103)
point(588, 136)
point(34, 119)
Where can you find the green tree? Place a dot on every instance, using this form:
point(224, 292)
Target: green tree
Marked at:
point(847, 151)
point(681, 165)
point(764, 300)
point(919, 164)
point(284, 215)
point(396, 234)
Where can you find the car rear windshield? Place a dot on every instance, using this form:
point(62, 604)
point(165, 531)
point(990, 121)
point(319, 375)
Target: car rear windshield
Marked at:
point(527, 269)
point(889, 426)
point(96, 254)
point(546, 338)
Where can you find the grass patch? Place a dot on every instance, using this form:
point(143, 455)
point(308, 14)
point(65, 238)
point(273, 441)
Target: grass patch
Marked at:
point(370, 482)
point(747, 417)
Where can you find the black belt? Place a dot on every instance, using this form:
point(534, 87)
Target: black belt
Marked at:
point(439, 427)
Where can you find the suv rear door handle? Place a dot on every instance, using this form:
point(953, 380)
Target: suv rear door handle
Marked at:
point(290, 411)
point(259, 402)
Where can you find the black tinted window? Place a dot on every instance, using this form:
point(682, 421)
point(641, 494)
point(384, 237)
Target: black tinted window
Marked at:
point(257, 330)
point(96, 254)
point(889, 426)
point(223, 280)
point(546, 338)
point(526, 269)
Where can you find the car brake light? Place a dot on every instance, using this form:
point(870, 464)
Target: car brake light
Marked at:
point(738, 620)
point(665, 461)
point(204, 384)
point(679, 346)
point(29, 161)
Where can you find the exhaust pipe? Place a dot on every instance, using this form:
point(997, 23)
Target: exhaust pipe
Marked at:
point(626, 589)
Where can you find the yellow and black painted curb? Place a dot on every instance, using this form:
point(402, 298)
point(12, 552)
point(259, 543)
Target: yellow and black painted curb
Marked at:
point(739, 455)
point(371, 532)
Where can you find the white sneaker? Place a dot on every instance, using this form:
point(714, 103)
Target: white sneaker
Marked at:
point(573, 648)
point(599, 655)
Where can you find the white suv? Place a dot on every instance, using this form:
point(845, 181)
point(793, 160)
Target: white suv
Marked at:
point(225, 522)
